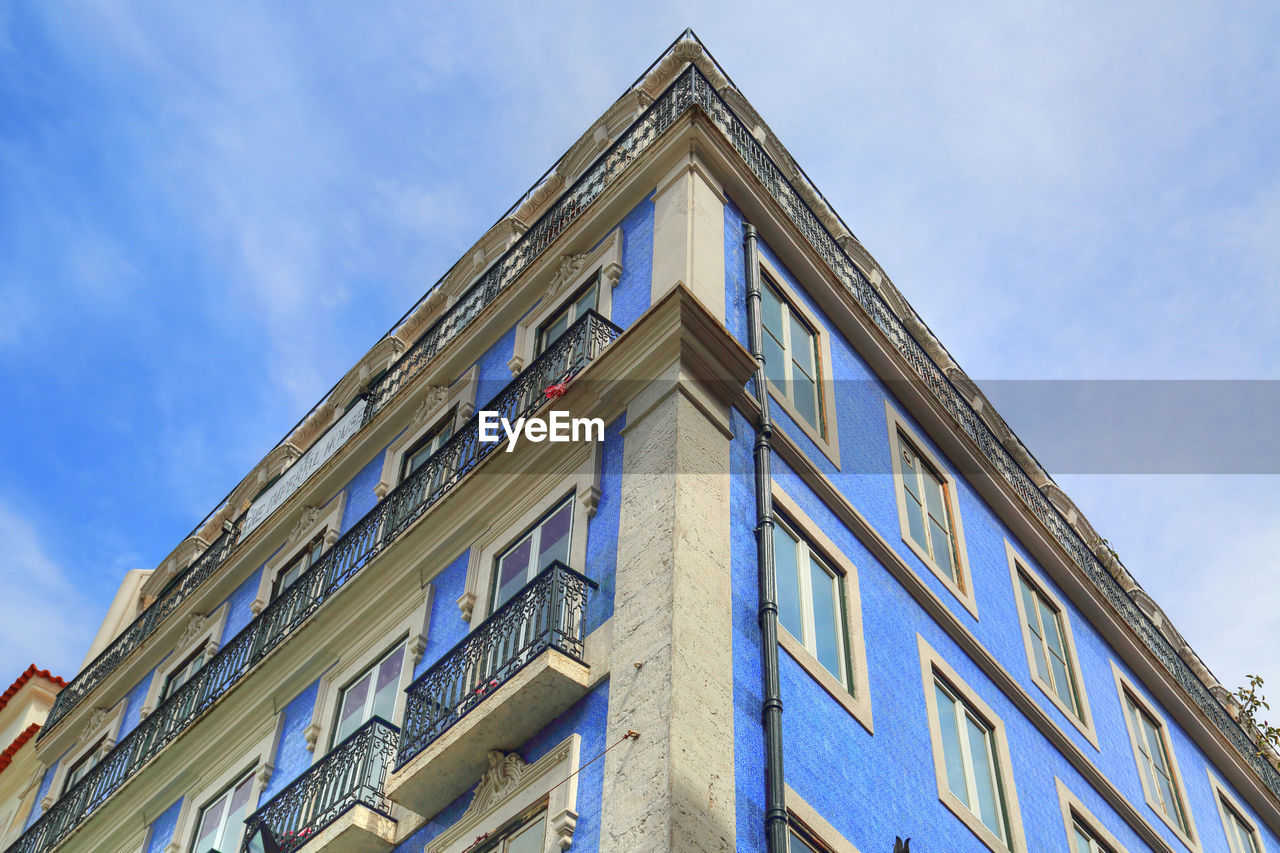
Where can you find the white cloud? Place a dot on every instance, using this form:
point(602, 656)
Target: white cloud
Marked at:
point(48, 619)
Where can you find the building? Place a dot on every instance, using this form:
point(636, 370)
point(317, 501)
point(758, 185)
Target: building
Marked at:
point(23, 708)
point(395, 635)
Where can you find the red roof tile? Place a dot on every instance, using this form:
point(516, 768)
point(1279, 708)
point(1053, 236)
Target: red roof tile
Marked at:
point(6, 757)
point(31, 673)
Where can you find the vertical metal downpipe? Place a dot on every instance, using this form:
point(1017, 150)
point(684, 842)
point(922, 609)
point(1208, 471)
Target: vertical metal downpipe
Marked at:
point(775, 808)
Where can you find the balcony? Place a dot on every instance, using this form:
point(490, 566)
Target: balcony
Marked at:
point(383, 525)
point(507, 680)
point(337, 805)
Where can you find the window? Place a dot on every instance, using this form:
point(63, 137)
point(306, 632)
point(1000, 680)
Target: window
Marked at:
point(811, 604)
point(221, 822)
point(928, 513)
point(535, 550)
point(423, 448)
point(791, 355)
point(181, 675)
point(295, 567)
point(83, 765)
point(973, 774)
point(1048, 643)
point(526, 834)
point(1084, 841)
point(799, 841)
point(1242, 834)
point(1161, 781)
point(558, 323)
point(971, 760)
point(373, 693)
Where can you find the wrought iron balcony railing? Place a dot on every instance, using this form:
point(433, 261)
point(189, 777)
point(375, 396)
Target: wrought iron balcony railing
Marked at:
point(547, 613)
point(529, 246)
point(351, 774)
point(371, 535)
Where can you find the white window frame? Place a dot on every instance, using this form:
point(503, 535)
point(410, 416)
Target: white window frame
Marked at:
point(101, 731)
point(433, 403)
point(408, 623)
point(934, 669)
point(227, 769)
point(1228, 802)
point(1083, 719)
point(228, 792)
point(899, 430)
point(856, 697)
point(826, 436)
point(312, 523)
point(202, 632)
point(1128, 692)
point(582, 479)
point(554, 777)
point(1074, 811)
point(815, 824)
point(573, 272)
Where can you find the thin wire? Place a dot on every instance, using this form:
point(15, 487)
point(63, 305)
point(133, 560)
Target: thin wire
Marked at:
point(630, 735)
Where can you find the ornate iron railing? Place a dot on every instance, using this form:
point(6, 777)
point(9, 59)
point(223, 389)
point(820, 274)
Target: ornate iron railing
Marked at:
point(179, 589)
point(371, 535)
point(547, 613)
point(352, 773)
point(530, 245)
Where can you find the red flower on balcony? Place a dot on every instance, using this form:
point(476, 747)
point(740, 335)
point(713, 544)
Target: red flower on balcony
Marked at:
point(483, 688)
point(557, 389)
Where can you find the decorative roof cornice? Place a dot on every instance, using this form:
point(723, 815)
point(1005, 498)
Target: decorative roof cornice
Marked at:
point(30, 673)
point(6, 757)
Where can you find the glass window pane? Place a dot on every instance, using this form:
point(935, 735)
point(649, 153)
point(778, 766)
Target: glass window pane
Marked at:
point(934, 498)
point(513, 570)
point(984, 776)
point(771, 311)
point(351, 714)
point(387, 685)
point(951, 745)
point(915, 522)
point(828, 634)
point(235, 816)
point(941, 548)
point(554, 537)
point(802, 346)
point(786, 560)
point(1033, 623)
point(587, 301)
point(1082, 840)
point(528, 839)
point(775, 361)
point(798, 844)
point(805, 397)
point(207, 837)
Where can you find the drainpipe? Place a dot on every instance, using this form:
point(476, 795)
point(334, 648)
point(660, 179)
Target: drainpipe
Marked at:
point(775, 809)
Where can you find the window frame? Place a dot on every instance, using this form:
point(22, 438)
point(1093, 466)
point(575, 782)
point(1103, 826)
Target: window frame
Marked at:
point(566, 305)
point(447, 421)
point(1074, 811)
point(370, 670)
point(245, 778)
point(933, 670)
point(900, 431)
point(567, 279)
point(202, 634)
point(533, 533)
point(1129, 693)
point(1227, 802)
point(856, 696)
point(432, 405)
point(826, 435)
point(313, 523)
point(552, 779)
point(1082, 718)
point(815, 830)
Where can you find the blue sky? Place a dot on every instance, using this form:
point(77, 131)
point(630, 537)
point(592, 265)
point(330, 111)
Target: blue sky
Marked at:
point(209, 212)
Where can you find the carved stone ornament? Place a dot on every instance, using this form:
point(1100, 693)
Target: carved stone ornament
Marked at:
point(503, 776)
point(435, 396)
point(570, 265)
point(195, 627)
point(95, 721)
point(308, 518)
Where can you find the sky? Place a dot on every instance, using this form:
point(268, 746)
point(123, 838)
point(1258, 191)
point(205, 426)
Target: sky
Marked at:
point(209, 212)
